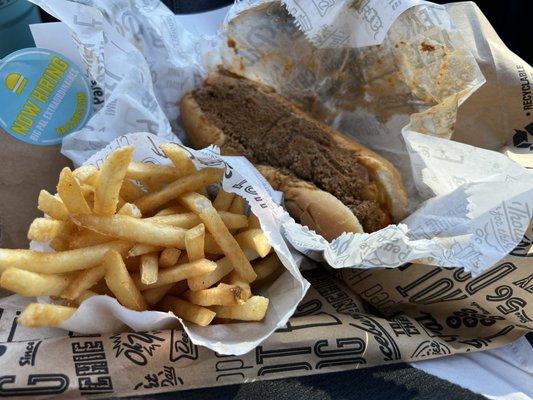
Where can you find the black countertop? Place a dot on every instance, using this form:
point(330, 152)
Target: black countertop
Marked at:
point(391, 382)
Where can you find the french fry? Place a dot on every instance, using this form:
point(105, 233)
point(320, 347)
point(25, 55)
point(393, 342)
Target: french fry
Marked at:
point(83, 281)
point(179, 158)
point(234, 279)
point(154, 296)
point(153, 187)
point(149, 268)
point(187, 220)
point(88, 194)
point(223, 268)
point(194, 242)
point(70, 192)
point(171, 210)
point(107, 189)
point(210, 246)
point(198, 180)
point(177, 273)
point(198, 250)
point(67, 229)
point(223, 200)
point(213, 223)
point(268, 266)
point(27, 283)
point(233, 221)
point(86, 238)
point(254, 309)
point(254, 239)
point(237, 205)
point(190, 312)
point(92, 180)
point(139, 171)
point(86, 189)
point(121, 284)
point(45, 229)
point(170, 256)
point(130, 192)
point(58, 244)
point(222, 295)
point(253, 222)
point(37, 315)
point(57, 263)
point(130, 209)
point(52, 206)
point(140, 249)
point(152, 174)
point(133, 229)
point(87, 175)
point(84, 296)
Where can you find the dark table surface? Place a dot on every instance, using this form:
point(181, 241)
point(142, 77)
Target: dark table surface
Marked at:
point(392, 382)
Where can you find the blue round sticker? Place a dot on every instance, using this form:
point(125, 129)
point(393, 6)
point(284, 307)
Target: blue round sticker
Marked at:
point(43, 96)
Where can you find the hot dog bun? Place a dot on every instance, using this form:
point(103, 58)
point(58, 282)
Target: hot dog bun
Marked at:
point(332, 184)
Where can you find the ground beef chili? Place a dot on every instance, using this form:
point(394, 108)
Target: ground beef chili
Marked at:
point(267, 132)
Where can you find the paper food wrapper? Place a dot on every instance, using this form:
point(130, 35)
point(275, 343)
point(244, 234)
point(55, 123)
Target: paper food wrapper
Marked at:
point(359, 23)
point(433, 312)
point(350, 318)
point(399, 98)
point(462, 215)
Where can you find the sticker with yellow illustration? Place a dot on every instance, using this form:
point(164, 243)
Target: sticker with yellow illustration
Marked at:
point(43, 96)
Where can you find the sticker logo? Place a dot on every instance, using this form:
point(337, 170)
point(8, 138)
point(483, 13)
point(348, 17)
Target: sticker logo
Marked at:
point(523, 139)
point(43, 96)
point(16, 83)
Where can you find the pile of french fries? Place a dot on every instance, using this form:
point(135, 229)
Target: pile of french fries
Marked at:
point(147, 235)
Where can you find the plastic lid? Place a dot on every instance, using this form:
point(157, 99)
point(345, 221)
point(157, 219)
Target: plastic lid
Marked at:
point(43, 96)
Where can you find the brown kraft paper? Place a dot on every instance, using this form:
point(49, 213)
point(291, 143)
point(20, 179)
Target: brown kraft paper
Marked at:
point(431, 312)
